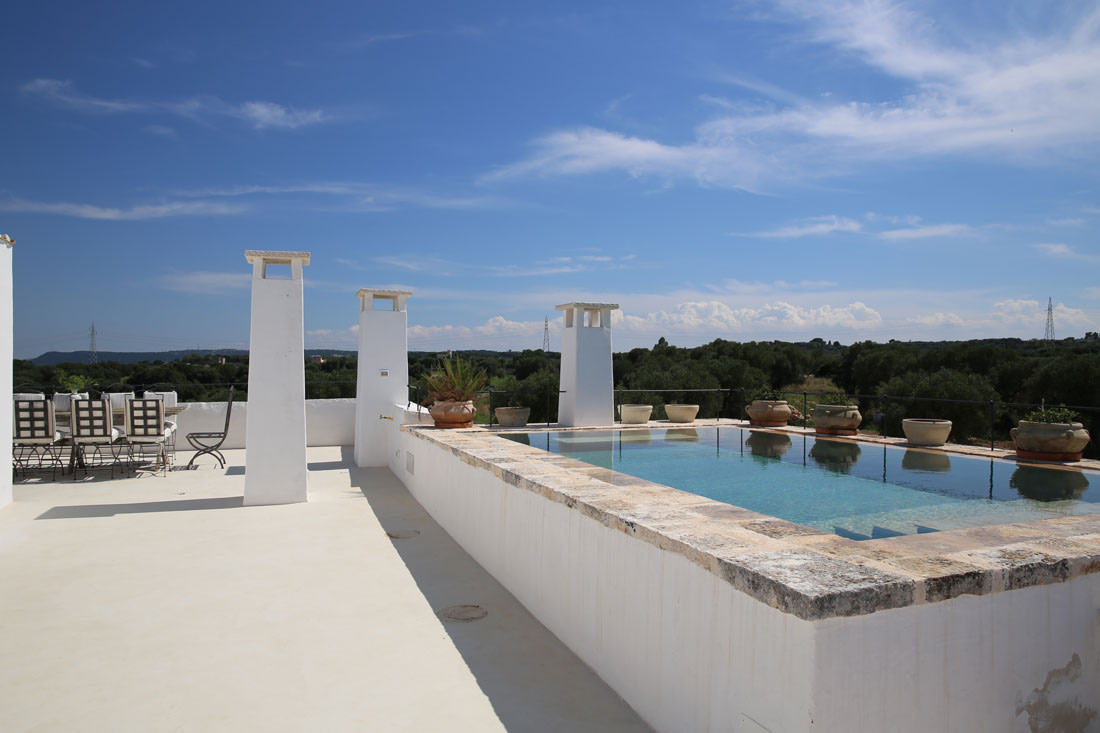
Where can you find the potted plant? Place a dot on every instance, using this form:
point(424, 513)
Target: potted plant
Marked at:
point(768, 409)
point(1050, 434)
point(926, 431)
point(836, 415)
point(681, 413)
point(453, 386)
point(512, 416)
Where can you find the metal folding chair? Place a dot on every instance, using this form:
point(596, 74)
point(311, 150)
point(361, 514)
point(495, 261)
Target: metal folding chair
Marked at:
point(209, 443)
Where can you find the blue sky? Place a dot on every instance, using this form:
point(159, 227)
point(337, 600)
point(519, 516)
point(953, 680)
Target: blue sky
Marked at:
point(744, 170)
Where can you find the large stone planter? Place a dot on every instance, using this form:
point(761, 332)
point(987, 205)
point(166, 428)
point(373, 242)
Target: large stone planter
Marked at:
point(768, 413)
point(681, 413)
point(1050, 441)
point(512, 417)
point(926, 431)
point(635, 414)
point(836, 419)
point(451, 414)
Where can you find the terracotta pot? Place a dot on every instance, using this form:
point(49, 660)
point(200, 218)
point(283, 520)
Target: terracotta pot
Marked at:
point(451, 414)
point(1050, 441)
point(681, 413)
point(512, 417)
point(635, 414)
point(769, 413)
point(926, 431)
point(836, 419)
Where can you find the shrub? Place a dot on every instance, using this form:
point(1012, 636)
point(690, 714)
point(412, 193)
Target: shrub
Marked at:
point(1060, 414)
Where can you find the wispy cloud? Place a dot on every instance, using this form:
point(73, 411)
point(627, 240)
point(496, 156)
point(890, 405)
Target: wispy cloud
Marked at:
point(360, 196)
point(928, 232)
point(1072, 222)
point(375, 39)
point(260, 114)
point(813, 227)
point(206, 283)
point(1061, 251)
point(131, 213)
point(1010, 97)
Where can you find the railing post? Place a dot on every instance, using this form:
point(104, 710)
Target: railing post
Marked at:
point(804, 403)
point(991, 425)
point(490, 408)
point(547, 408)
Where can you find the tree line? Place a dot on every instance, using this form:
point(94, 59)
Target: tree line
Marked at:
point(919, 378)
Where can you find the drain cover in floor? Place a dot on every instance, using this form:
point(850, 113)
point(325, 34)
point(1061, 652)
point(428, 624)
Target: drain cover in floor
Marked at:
point(466, 612)
point(402, 534)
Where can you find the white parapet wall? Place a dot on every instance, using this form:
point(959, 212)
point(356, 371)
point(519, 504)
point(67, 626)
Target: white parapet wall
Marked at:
point(6, 326)
point(690, 649)
point(328, 422)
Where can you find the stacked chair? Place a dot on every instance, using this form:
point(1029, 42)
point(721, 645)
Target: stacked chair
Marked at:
point(36, 442)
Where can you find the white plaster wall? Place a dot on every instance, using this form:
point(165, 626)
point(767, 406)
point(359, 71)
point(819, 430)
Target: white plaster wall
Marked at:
point(973, 663)
point(6, 326)
point(382, 346)
point(691, 653)
point(682, 647)
point(587, 377)
point(275, 442)
point(328, 422)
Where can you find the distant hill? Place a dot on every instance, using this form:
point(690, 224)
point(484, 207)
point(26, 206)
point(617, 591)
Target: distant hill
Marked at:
point(52, 358)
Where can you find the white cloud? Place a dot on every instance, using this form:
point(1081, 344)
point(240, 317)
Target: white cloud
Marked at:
point(206, 283)
point(1061, 251)
point(1092, 292)
point(719, 319)
point(936, 320)
point(359, 195)
point(160, 130)
point(815, 226)
point(1023, 311)
point(928, 232)
point(132, 213)
point(268, 114)
point(1066, 222)
point(965, 93)
point(260, 114)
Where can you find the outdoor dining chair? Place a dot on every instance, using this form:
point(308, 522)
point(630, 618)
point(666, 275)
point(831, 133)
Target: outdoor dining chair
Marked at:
point(92, 430)
point(34, 436)
point(209, 443)
point(143, 422)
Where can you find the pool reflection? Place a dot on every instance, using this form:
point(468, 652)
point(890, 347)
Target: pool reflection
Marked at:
point(1046, 484)
point(682, 434)
point(922, 460)
point(835, 455)
point(768, 445)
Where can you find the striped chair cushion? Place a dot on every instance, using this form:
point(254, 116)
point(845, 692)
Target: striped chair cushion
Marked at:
point(32, 421)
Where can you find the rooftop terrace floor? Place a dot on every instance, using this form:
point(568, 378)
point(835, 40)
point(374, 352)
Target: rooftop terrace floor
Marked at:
point(162, 603)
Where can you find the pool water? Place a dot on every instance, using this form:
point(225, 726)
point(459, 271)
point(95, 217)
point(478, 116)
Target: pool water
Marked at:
point(856, 490)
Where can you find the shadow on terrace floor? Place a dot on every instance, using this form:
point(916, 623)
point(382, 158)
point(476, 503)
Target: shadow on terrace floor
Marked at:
point(533, 681)
point(78, 511)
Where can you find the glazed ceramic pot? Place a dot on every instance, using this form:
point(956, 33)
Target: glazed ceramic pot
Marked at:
point(1050, 441)
point(635, 414)
point(681, 413)
point(769, 413)
point(836, 419)
point(926, 431)
point(451, 414)
point(512, 417)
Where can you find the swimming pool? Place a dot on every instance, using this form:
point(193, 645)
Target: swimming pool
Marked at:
point(856, 490)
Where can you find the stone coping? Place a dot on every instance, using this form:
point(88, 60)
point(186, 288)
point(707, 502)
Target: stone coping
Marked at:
point(275, 257)
point(587, 306)
point(806, 572)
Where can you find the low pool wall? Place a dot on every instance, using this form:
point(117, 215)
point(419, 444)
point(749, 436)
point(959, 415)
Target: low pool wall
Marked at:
point(328, 422)
point(709, 617)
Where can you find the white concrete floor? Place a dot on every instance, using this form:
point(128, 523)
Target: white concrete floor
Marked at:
point(161, 603)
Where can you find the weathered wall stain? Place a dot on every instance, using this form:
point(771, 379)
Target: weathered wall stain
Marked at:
point(1055, 707)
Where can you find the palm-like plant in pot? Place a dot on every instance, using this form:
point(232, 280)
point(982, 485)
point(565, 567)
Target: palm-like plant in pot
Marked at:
point(768, 409)
point(452, 387)
point(1050, 434)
